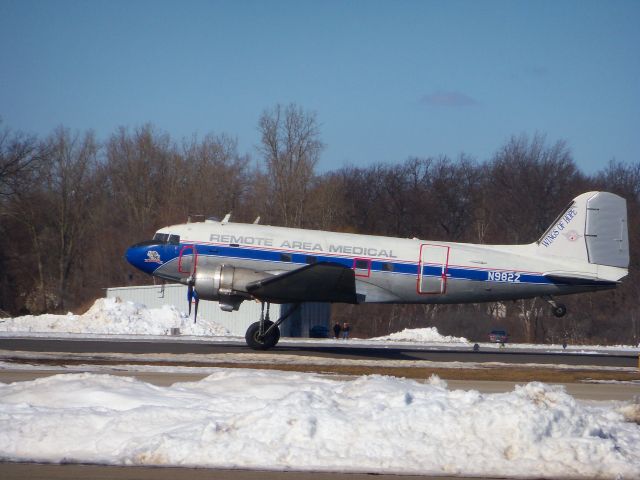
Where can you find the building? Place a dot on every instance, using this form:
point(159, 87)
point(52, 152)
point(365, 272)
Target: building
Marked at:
point(298, 325)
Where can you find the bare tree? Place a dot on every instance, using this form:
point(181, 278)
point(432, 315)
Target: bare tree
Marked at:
point(18, 154)
point(144, 174)
point(529, 176)
point(215, 174)
point(19, 157)
point(291, 146)
point(70, 170)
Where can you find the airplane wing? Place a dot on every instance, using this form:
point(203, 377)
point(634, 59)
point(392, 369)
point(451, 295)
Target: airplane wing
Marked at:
point(318, 282)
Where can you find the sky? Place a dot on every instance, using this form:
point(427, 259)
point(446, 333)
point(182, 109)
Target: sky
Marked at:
point(387, 80)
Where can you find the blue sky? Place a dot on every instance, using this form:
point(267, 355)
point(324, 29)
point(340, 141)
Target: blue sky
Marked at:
point(388, 80)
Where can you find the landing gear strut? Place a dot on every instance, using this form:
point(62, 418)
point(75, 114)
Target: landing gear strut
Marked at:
point(558, 309)
point(264, 334)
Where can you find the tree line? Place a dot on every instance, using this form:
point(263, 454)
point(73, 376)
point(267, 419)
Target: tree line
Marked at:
point(71, 204)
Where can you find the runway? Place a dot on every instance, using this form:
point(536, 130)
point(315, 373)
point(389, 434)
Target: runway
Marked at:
point(165, 360)
point(334, 350)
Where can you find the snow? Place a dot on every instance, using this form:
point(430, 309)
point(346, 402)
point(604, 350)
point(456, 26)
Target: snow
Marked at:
point(429, 334)
point(239, 418)
point(113, 316)
point(280, 420)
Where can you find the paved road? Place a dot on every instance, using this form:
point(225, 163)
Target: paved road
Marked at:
point(34, 471)
point(344, 351)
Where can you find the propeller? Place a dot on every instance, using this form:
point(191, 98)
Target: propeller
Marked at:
point(191, 295)
point(191, 282)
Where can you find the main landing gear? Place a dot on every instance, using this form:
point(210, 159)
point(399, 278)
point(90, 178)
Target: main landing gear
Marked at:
point(264, 334)
point(558, 309)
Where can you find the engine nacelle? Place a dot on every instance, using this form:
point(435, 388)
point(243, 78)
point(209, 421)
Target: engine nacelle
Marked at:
point(225, 284)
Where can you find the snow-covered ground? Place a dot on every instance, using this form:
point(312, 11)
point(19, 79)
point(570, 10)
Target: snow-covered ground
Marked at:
point(276, 420)
point(113, 316)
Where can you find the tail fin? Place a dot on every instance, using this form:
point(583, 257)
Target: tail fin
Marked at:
point(593, 229)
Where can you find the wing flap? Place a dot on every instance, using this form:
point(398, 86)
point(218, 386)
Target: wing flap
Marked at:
point(319, 282)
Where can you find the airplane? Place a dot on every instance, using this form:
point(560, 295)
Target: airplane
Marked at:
point(585, 249)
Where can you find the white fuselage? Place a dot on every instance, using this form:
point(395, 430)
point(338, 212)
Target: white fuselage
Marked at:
point(388, 270)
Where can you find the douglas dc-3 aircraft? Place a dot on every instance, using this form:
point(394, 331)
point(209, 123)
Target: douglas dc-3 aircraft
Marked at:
point(585, 249)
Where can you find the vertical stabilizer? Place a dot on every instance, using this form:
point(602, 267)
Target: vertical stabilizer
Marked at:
point(592, 229)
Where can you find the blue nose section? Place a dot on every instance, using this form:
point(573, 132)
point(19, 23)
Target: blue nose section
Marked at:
point(145, 256)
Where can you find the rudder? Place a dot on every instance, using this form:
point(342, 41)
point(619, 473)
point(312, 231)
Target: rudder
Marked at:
point(606, 232)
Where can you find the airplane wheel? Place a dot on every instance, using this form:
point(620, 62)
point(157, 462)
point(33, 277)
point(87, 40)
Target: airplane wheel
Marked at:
point(262, 343)
point(560, 310)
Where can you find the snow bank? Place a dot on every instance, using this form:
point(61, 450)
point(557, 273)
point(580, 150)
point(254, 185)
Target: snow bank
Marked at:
point(113, 316)
point(428, 335)
point(278, 420)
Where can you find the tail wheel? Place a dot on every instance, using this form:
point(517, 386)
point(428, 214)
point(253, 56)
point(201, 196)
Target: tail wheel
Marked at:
point(559, 310)
point(262, 342)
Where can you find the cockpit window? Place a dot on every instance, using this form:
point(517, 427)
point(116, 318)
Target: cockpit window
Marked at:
point(161, 237)
point(174, 239)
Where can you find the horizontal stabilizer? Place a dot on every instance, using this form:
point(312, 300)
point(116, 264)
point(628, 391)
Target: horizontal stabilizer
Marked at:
point(319, 282)
point(574, 279)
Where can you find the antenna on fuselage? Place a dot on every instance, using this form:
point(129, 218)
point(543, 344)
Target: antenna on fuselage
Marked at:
point(257, 220)
point(226, 218)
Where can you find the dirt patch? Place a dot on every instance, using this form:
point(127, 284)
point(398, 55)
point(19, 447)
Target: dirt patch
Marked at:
point(502, 372)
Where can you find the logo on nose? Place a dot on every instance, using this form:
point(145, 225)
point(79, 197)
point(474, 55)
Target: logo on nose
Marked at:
point(153, 257)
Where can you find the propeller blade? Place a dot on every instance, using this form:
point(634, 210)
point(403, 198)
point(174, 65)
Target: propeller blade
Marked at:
point(195, 316)
point(191, 293)
point(194, 261)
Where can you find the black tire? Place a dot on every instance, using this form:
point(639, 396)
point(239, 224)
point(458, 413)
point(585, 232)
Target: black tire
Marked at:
point(560, 310)
point(265, 343)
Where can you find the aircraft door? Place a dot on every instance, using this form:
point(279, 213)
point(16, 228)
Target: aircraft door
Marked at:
point(188, 259)
point(432, 271)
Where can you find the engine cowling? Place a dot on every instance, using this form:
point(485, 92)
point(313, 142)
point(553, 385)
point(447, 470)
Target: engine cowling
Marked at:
point(225, 284)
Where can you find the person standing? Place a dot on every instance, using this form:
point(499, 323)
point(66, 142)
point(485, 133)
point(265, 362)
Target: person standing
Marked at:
point(346, 328)
point(336, 330)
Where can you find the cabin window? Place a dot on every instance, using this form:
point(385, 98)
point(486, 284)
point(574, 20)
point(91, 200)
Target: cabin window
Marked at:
point(285, 257)
point(161, 237)
point(387, 267)
point(362, 267)
point(174, 239)
point(310, 259)
point(362, 264)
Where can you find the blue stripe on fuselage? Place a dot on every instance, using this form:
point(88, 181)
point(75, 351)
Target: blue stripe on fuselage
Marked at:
point(379, 266)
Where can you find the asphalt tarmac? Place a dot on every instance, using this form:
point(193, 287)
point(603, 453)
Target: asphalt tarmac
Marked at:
point(330, 350)
point(35, 471)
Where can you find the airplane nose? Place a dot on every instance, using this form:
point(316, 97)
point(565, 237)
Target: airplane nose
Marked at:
point(146, 256)
point(140, 254)
point(128, 255)
point(134, 256)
